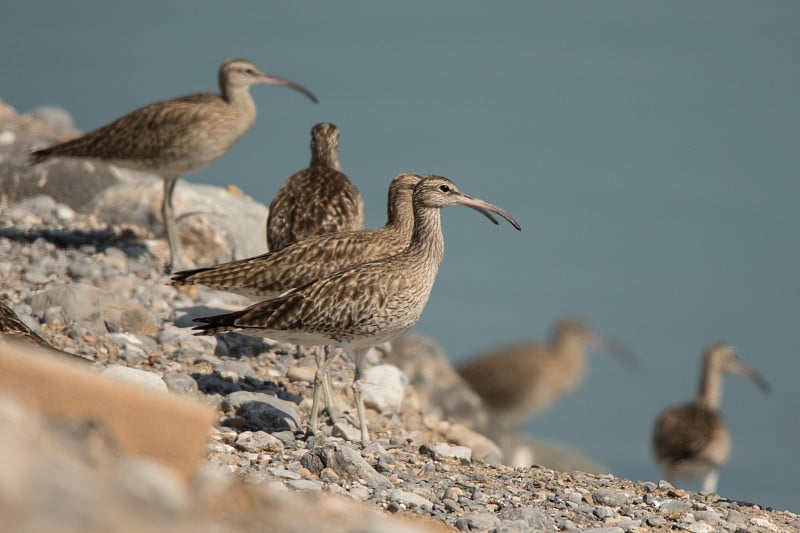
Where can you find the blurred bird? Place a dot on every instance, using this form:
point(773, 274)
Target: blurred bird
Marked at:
point(691, 441)
point(520, 381)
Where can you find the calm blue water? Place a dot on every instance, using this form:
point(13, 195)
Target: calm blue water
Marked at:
point(648, 149)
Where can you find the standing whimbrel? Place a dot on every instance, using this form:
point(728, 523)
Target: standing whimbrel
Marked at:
point(316, 200)
point(364, 305)
point(690, 441)
point(173, 137)
point(523, 380)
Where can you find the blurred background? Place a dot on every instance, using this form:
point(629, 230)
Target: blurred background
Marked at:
point(649, 151)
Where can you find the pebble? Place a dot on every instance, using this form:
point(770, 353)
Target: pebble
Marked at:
point(140, 378)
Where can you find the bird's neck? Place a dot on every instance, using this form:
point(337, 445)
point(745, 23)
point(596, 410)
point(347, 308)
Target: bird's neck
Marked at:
point(427, 238)
point(572, 352)
point(325, 156)
point(401, 214)
point(710, 392)
point(239, 97)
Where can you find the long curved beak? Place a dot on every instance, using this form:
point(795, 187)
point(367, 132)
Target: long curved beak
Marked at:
point(615, 348)
point(273, 80)
point(743, 370)
point(484, 207)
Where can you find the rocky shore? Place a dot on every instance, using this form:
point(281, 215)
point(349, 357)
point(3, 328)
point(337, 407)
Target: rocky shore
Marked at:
point(87, 271)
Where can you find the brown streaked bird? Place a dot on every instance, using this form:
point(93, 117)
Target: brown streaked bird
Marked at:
point(271, 274)
point(316, 200)
point(12, 328)
point(173, 137)
point(691, 441)
point(520, 381)
point(366, 304)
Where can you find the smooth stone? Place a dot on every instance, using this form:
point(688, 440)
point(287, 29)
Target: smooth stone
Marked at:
point(674, 506)
point(304, 484)
point(534, 516)
point(265, 409)
point(611, 496)
point(140, 378)
point(258, 441)
point(409, 499)
point(477, 521)
point(384, 387)
point(180, 383)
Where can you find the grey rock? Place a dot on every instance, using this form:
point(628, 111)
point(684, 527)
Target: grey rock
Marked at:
point(409, 499)
point(611, 496)
point(235, 369)
point(180, 383)
point(512, 526)
point(304, 484)
point(602, 511)
point(700, 527)
point(707, 515)
point(674, 506)
point(140, 378)
point(477, 522)
point(535, 517)
point(258, 441)
point(735, 517)
point(656, 521)
point(443, 449)
point(602, 530)
point(347, 463)
point(155, 486)
point(384, 387)
point(264, 409)
point(93, 306)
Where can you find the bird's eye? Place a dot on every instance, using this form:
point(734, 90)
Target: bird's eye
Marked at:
point(444, 188)
point(249, 71)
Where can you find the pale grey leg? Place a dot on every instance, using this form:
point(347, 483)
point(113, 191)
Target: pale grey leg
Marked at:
point(322, 387)
point(358, 394)
point(710, 481)
point(175, 259)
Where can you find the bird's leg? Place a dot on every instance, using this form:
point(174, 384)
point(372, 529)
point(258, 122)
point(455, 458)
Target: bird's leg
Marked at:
point(710, 481)
point(168, 214)
point(358, 394)
point(322, 387)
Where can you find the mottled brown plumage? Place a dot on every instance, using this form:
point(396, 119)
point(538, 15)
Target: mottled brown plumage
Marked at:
point(366, 304)
point(316, 200)
point(172, 137)
point(691, 441)
point(520, 381)
point(271, 274)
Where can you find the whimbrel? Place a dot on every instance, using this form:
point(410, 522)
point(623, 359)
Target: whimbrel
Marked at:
point(366, 304)
point(690, 441)
point(316, 200)
point(523, 380)
point(173, 137)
